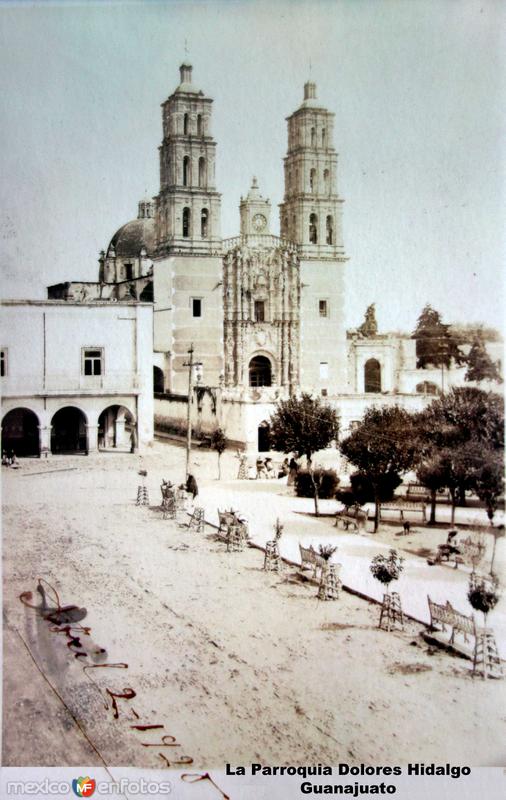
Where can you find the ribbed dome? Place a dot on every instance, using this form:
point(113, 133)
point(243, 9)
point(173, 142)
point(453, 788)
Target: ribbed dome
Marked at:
point(129, 240)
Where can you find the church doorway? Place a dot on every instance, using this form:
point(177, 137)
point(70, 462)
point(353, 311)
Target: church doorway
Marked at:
point(20, 433)
point(372, 376)
point(115, 429)
point(264, 437)
point(260, 371)
point(68, 431)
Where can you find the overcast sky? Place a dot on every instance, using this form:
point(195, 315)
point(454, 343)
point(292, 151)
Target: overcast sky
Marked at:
point(418, 89)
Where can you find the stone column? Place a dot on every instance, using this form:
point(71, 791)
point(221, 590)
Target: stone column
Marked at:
point(92, 438)
point(44, 440)
point(120, 432)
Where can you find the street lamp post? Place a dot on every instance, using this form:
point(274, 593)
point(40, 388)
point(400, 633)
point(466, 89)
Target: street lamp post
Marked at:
point(191, 364)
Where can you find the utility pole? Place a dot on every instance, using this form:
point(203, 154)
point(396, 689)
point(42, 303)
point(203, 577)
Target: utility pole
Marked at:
point(190, 364)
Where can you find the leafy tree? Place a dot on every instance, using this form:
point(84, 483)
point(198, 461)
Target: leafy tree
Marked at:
point(435, 344)
point(480, 366)
point(488, 480)
point(460, 440)
point(303, 425)
point(381, 446)
point(431, 473)
point(218, 443)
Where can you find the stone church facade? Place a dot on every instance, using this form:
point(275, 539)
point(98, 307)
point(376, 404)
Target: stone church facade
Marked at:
point(263, 313)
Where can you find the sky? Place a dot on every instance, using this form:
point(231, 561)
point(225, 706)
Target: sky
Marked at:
point(417, 87)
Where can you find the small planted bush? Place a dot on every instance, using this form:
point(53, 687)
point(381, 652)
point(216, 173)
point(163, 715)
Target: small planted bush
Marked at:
point(483, 593)
point(387, 568)
point(326, 480)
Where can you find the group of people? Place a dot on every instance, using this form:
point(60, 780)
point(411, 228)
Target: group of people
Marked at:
point(265, 468)
point(10, 460)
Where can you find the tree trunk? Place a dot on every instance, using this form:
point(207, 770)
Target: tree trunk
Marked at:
point(454, 503)
point(432, 520)
point(493, 554)
point(315, 488)
point(219, 466)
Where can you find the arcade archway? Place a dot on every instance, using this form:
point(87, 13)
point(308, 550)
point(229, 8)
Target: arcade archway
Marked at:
point(20, 433)
point(68, 431)
point(116, 428)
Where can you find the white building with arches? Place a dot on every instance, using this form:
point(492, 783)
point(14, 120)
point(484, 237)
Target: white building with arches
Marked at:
point(76, 377)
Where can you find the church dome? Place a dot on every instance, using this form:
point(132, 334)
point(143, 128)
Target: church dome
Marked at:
point(131, 238)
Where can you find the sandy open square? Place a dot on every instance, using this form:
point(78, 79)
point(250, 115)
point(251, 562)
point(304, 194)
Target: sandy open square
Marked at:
point(237, 664)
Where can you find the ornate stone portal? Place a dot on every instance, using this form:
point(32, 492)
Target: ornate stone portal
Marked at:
point(261, 297)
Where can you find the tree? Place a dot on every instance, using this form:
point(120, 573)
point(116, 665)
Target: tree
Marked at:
point(461, 442)
point(435, 345)
point(218, 443)
point(382, 445)
point(480, 366)
point(431, 473)
point(303, 425)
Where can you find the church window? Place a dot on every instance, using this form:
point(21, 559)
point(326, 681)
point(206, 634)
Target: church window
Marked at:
point(326, 181)
point(372, 376)
point(200, 126)
point(196, 306)
point(186, 125)
point(324, 392)
point(324, 370)
point(202, 172)
point(259, 311)
point(312, 180)
point(186, 223)
point(186, 170)
point(330, 230)
point(129, 273)
point(204, 219)
point(3, 363)
point(313, 229)
point(92, 361)
point(260, 371)
point(323, 308)
point(324, 137)
point(313, 137)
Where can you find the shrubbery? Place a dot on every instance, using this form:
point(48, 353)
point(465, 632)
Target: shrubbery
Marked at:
point(362, 491)
point(325, 479)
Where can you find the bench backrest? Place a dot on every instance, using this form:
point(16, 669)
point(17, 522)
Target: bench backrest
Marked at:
point(447, 615)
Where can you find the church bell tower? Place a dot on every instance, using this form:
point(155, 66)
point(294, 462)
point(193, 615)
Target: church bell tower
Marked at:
point(311, 211)
point(188, 205)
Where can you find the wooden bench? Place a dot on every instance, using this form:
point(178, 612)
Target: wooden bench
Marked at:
point(310, 559)
point(352, 516)
point(417, 492)
point(404, 508)
point(228, 520)
point(447, 615)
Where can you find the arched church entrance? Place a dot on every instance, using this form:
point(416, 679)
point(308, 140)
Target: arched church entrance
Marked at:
point(372, 376)
point(68, 431)
point(264, 437)
point(260, 371)
point(20, 433)
point(116, 429)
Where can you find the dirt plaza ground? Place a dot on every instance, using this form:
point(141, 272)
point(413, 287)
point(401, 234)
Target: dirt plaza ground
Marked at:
point(236, 664)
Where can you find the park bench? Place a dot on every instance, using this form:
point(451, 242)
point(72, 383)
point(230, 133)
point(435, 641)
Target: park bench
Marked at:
point(310, 559)
point(418, 493)
point(229, 520)
point(355, 516)
point(447, 615)
point(404, 509)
